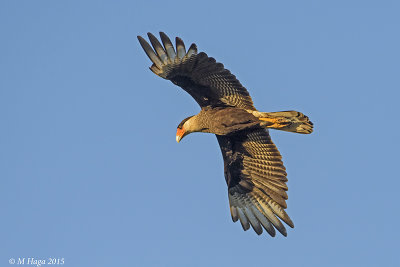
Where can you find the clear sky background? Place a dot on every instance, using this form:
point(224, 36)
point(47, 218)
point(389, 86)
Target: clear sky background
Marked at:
point(89, 167)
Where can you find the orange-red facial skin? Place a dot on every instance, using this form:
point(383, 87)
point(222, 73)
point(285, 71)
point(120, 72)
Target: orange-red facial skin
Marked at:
point(180, 132)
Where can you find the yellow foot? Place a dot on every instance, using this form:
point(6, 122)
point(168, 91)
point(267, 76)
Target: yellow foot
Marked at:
point(275, 123)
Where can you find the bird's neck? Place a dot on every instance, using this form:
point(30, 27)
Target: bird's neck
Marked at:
point(198, 123)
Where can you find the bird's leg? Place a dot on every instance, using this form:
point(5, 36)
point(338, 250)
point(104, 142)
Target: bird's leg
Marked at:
point(274, 122)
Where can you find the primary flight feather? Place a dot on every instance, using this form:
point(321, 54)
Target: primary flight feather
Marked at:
point(253, 167)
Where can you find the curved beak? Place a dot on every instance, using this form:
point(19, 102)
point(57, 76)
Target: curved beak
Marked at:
point(179, 134)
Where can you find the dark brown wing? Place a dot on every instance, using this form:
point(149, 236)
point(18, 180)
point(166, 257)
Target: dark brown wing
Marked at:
point(256, 180)
point(207, 81)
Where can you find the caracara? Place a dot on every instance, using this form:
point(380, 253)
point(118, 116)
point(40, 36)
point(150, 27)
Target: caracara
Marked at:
point(253, 167)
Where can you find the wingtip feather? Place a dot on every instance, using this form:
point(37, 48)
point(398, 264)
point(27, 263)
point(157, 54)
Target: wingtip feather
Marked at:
point(254, 222)
point(150, 52)
point(180, 47)
point(234, 214)
point(169, 47)
point(243, 220)
point(158, 48)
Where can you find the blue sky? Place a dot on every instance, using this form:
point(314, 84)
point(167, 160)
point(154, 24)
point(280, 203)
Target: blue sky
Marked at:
point(90, 169)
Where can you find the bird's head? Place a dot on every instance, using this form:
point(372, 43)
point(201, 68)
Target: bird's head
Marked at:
point(184, 128)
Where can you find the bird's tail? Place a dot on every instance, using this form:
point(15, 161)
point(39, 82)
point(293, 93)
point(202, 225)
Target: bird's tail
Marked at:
point(290, 121)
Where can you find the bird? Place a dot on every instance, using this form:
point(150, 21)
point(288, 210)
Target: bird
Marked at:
point(253, 167)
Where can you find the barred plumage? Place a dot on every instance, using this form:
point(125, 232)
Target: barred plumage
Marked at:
point(207, 81)
point(253, 167)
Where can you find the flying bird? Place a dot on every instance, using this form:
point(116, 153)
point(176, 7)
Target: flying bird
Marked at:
point(253, 168)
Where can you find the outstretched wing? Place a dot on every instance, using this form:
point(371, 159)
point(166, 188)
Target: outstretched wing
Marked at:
point(256, 180)
point(207, 81)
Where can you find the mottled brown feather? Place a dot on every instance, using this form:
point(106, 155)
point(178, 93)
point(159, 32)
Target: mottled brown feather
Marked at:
point(207, 81)
point(254, 172)
point(264, 176)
